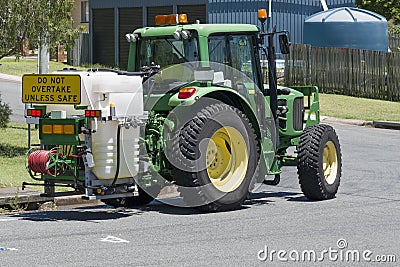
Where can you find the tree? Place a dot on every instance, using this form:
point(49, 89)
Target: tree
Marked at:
point(390, 9)
point(34, 20)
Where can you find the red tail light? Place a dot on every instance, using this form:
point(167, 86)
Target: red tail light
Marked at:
point(34, 112)
point(186, 93)
point(93, 113)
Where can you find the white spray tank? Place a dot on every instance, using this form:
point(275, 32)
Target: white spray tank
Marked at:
point(124, 96)
point(99, 90)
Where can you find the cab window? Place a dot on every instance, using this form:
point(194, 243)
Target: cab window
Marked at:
point(166, 51)
point(235, 51)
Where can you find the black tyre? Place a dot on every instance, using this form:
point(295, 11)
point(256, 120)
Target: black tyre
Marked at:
point(319, 162)
point(130, 202)
point(218, 158)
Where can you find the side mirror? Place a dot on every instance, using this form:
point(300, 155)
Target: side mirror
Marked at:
point(284, 44)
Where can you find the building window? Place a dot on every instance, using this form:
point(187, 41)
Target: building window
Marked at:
point(85, 11)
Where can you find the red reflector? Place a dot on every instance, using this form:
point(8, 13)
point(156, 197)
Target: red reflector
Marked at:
point(93, 113)
point(186, 93)
point(34, 112)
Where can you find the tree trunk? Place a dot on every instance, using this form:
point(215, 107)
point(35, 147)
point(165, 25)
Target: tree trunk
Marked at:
point(8, 53)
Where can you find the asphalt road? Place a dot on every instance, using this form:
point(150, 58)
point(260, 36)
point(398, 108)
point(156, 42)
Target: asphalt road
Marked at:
point(11, 94)
point(364, 218)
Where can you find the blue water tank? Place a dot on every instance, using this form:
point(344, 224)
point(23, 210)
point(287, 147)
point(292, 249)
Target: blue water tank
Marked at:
point(348, 28)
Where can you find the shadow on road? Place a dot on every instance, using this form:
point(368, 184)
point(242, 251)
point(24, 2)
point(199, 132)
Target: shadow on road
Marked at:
point(289, 196)
point(300, 198)
point(84, 215)
point(172, 206)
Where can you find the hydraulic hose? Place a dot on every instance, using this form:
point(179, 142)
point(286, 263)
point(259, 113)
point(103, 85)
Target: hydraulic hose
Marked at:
point(118, 152)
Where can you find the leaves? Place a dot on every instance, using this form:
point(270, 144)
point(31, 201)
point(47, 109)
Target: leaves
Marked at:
point(394, 29)
point(34, 20)
point(390, 9)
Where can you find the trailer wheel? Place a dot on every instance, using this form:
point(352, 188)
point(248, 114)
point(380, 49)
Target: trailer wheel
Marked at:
point(220, 152)
point(319, 163)
point(136, 201)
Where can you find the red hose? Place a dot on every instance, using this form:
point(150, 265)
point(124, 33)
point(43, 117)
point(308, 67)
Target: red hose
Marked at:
point(40, 159)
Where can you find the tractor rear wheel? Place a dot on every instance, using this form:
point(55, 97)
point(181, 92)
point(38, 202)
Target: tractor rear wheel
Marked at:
point(220, 152)
point(319, 162)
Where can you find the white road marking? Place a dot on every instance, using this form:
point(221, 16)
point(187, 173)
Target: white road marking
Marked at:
point(113, 239)
point(8, 219)
point(9, 249)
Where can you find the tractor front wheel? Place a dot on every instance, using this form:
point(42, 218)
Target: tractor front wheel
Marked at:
point(319, 162)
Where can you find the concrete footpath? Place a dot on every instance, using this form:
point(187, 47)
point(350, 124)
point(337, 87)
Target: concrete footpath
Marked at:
point(374, 124)
point(16, 198)
point(10, 78)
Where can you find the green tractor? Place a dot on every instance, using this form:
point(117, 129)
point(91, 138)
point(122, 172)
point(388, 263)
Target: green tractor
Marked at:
point(193, 110)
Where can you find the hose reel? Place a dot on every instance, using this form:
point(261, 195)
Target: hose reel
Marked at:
point(48, 162)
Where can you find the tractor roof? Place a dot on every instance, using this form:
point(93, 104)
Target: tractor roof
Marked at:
point(202, 29)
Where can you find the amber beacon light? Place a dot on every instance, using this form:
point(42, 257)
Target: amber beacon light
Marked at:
point(172, 19)
point(182, 19)
point(262, 15)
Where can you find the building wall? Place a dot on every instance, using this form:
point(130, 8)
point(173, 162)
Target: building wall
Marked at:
point(125, 16)
point(287, 15)
point(77, 15)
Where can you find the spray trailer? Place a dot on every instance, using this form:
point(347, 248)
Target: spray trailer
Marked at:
point(192, 110)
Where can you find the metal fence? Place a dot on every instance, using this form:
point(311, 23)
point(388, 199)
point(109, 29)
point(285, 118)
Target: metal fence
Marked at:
point(351, 72)
point(79, 55)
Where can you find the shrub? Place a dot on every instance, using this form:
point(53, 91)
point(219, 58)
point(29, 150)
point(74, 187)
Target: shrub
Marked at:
point(5, 112)
point(394, 29)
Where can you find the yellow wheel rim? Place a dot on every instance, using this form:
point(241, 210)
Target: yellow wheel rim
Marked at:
point(330, 162)
point(227, 159)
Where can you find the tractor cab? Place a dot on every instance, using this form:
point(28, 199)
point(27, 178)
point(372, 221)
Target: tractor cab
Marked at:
point(165, 45)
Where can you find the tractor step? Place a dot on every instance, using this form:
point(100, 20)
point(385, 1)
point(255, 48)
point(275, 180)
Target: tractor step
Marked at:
point(276, 180)
point(121, 195)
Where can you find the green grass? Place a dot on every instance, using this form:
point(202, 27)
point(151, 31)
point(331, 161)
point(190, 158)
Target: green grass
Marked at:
point(347, 107)
point(13, 149)
point(13, 67)
point(13, 156)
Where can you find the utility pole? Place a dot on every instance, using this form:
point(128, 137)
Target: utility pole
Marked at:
point(269, 15)
point(43, 61)
point(324, 5)
point(43, 56)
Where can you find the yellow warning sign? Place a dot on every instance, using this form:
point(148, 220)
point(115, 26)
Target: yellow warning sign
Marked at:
point(51, 89)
